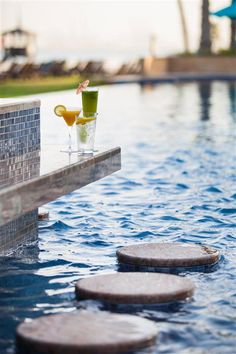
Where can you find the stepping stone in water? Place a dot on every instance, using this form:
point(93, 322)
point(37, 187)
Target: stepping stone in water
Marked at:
point(135, 288)
point(43, 215)
point(167, 255)
point(85, 332)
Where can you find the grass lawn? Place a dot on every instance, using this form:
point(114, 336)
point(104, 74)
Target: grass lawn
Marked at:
point(20, 87)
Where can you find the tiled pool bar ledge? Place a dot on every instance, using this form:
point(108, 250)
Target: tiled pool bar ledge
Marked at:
point(23, 197)
point(30, 178)
point(19, 161)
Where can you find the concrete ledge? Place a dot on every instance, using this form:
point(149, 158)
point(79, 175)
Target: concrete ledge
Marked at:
point(23, 197)
point(213, 64)
point(9, 105)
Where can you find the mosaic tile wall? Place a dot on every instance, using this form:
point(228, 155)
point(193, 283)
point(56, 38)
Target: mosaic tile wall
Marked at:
point(19, 232)
point(19, 161)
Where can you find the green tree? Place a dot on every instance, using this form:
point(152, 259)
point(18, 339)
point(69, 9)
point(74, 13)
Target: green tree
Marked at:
point(205, 39)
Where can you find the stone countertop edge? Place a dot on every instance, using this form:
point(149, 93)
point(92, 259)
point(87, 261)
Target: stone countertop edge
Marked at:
point(11, 106)
point(23, 197)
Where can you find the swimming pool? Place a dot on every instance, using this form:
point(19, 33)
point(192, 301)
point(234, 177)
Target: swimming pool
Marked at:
point(177, 183)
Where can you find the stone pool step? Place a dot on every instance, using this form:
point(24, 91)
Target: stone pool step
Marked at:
point(135, 288)
point(167, 255)
point(43, 215)
point(85, 332)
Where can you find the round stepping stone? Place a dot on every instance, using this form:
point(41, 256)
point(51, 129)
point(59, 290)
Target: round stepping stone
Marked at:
point(135, 288)
point(43, 215)
point(167, 255)
point(85, 332)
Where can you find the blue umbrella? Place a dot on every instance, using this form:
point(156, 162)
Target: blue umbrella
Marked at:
point(229, 11)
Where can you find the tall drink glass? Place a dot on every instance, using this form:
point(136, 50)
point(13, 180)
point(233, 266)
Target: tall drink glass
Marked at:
point(85, 129)
point(90, 100)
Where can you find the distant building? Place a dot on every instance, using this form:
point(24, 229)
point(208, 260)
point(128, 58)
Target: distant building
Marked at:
point(18, 43)
point(153, 45)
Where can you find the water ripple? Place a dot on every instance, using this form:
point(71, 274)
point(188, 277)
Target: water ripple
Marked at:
point(177, 184)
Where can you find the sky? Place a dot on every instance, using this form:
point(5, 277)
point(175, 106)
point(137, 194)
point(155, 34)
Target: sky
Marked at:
point(108, 29)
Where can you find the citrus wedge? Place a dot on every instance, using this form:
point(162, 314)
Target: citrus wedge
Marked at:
point(84, 120)
point(59, 110)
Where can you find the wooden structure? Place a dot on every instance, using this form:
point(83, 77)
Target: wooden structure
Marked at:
point(18, 43)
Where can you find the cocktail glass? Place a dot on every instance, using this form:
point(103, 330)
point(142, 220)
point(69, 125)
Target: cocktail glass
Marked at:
point(85, 129)
point(70, 115)
point(90, 100)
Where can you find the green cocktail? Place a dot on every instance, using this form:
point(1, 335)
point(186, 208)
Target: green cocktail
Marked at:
point(90, 100)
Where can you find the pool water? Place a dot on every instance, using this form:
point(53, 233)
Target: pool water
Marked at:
point(177, 183)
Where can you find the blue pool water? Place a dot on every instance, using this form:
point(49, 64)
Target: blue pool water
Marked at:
point(177, 183)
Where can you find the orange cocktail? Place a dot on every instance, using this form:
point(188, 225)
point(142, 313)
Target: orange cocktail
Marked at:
point(70, 115)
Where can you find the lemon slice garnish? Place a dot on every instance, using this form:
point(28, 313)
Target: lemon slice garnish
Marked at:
point(84, 120)
point(59, 110)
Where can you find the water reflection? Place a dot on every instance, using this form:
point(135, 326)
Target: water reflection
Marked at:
point(205, 96)
point(205, 91)
point(147, 87)
point(20, 287)
point(232, 98)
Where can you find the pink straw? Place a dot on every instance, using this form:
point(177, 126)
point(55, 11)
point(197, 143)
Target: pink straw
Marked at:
point(82, 86)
